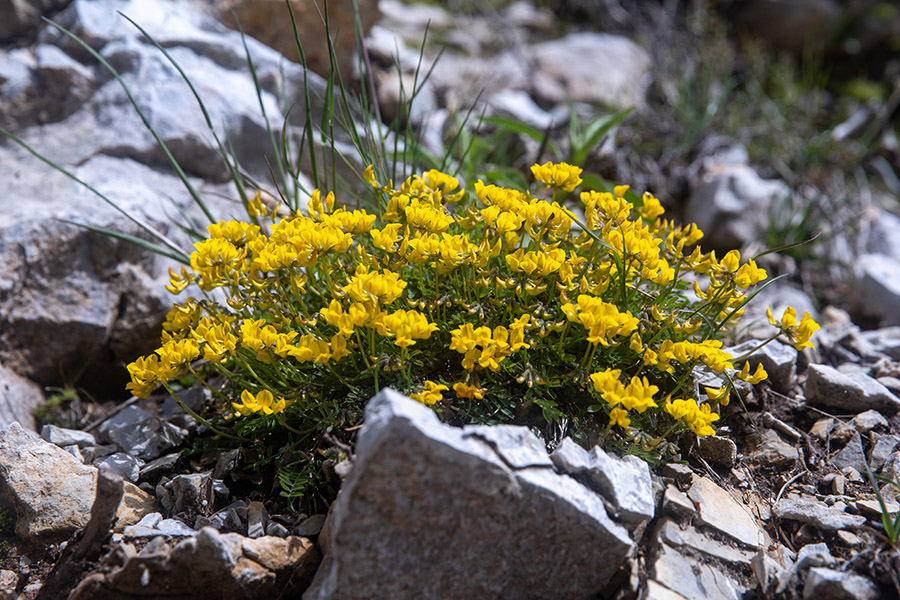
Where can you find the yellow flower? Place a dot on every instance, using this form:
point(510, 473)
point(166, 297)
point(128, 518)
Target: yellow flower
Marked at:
point(407, 326)
point(619, 416)
point(757, 376)
point(721, 395)
point(561, 176)
point(263, 402)
point(383, 287)
point(798, 335)
point(602, 320)
point(430, 394)
point(464, 390)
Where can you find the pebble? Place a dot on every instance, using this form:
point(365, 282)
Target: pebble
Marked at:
point(823, 583)
point(125, 465)
point(882, 450)
point(310, 526)
point(67, 437)
point(868, 421)
point(677, 504)
point(257, 518)
point(719, 510)
point(718, 450)
point(851, 455)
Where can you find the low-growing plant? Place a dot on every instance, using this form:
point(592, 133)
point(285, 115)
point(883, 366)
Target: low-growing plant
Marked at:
point(891, 525)
point(480, 304)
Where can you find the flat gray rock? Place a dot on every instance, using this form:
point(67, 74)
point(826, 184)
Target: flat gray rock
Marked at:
point(855, 392)
point(720, 511)
point(429, 511)
point(779, 360)
point(19, 397)
point(829, 584)
point(851, 455)
point(816, 513)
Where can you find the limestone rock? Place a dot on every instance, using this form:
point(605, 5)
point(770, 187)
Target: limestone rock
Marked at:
point(875, 287)
point(779, 360)
point(624, 481)
point(437, 512)
point(855, 392)
point(815, 513)
point(829, 584)
point(19, 398)
point(51, 492)
point(732, 204)
point(207, 565)
point(720, 511)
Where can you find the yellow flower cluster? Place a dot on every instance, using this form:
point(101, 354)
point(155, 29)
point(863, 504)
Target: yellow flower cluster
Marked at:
point(332, 304)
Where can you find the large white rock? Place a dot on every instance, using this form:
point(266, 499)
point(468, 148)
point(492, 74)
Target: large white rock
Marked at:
point(432, 511)
point(850, 392)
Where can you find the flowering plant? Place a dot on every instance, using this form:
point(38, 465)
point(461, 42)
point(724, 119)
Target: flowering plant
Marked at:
point(481, 304)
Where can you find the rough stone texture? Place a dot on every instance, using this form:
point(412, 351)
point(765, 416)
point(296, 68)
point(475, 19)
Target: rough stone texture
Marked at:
point(828, 584)
point(851, 455)
point(19, 17)
point(882, 449)
point(855, 392)
point(624, 481)
point(769, 449)
point(815, 513)
point(884, 341)
point(779, 360)
point(723, 513)
point(690, 578)
point(718, 450)
point(208, 565)
point(875, 288)
point(732, 204)
point(437, 512)
point(50, 491)
point(19, 398)
point(269, 22)
point(67, 437)
point(870, 420)
point(688, 537)
point(147, 439)
point(612, 76)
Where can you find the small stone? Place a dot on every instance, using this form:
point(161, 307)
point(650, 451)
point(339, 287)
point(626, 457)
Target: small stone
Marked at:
point(872, 509)
point(770, 450)
point(150, 520)
point(682, 474)
point(891, 383)
point(851, 455)
point(129, 415)
point(868, 421)
point(822, 428)
point(191, 493)
point(159, 466)
point(125, 465)
point(310, 526)
point(67, 437)
point(94, 454)
point(816, 513)
point(276, 529)
point(149, 438)
point(226, 463)
point(174, 527)
point(875, 287)
point(851, 539)
point(838, 485)
point(852, 474)
point(74, 451)
point(884, 341)
point(257, 518)
point(882, 450)
point(677, 504)
point(718, 450)
point(723, 513)
point(8, 581)
point(828, 584)
point(855, 393)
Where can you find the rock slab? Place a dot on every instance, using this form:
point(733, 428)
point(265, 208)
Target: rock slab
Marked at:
point(853, 392)
point(432, 511)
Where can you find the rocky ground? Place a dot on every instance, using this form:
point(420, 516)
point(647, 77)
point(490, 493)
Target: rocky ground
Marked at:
point(777, 505)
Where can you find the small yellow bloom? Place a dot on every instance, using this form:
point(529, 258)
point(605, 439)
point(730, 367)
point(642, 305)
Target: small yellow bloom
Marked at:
point(561, 176)
point(430, 394)
point(619, 416)
point(464, 390)
point(759, 375)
